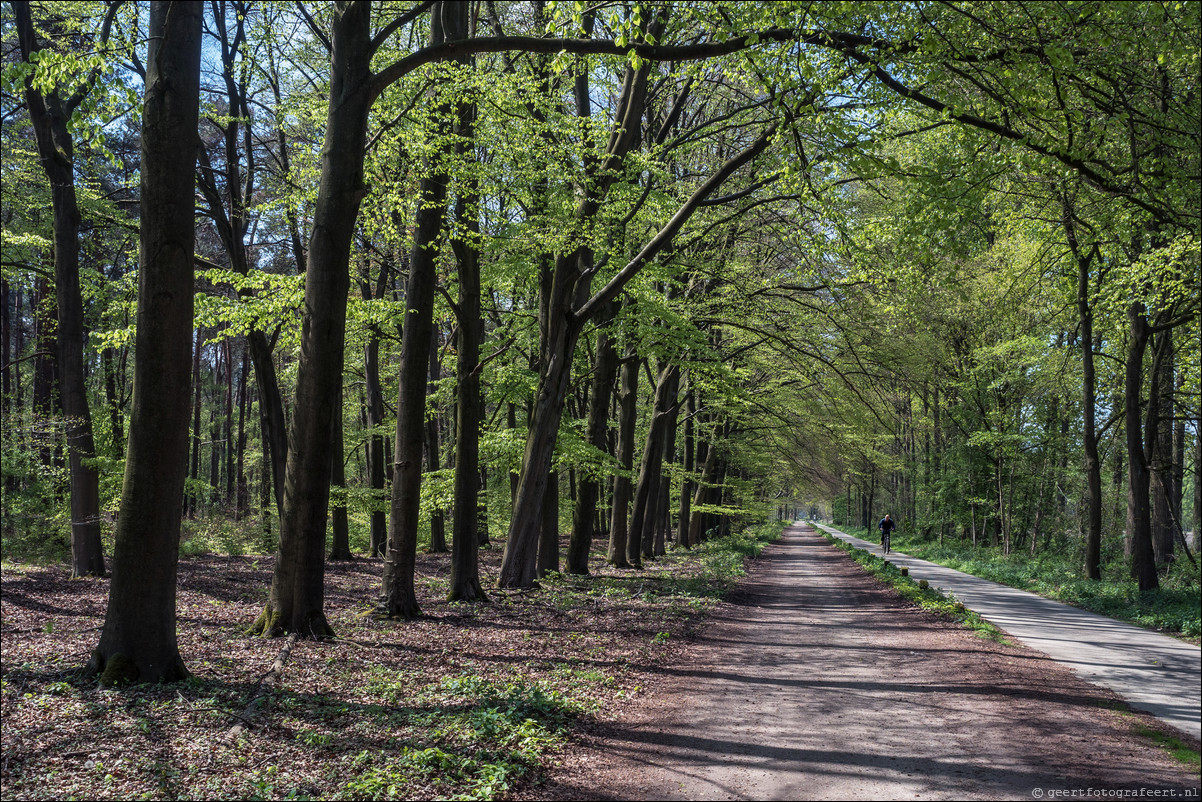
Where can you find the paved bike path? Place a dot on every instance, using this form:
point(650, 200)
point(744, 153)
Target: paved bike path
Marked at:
point(1152, 672)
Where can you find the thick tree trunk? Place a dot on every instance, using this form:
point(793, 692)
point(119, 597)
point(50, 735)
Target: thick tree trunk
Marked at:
point(297, 597)
point(399, 598)
point(1139, 518)
point(138, 641)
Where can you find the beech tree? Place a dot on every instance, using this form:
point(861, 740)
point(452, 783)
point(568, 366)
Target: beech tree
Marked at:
point(51, 108)
point(138, 642)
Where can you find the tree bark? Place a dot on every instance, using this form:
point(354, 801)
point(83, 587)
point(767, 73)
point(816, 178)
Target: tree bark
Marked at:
point(1160, 487)
point(646, 495)
point(340, 540)
point(469, 404)
point(399, 598)
point(619, 522)
point(375, 419)
point(138, 641)
point(438, 527)
point(1139, 518)
point(585, 513)
point(50, 115)
point(297, 597)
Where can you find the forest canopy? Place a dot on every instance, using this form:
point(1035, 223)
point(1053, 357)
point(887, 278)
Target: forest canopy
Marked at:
point(590, 281)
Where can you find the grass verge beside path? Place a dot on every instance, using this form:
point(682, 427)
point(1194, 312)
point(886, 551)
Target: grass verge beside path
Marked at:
point(470, 701)
point(1175, 609)
point(920, 592)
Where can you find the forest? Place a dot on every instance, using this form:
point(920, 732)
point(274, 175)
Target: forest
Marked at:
point(555, 288)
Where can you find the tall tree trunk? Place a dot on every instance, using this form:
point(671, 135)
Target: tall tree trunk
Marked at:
point(1139, 518)
point(469, 404)
point(114, 404)
point(375, 442)
point(297, 596)
point(646, 495)
point(686, 485)
point(50, 115)
point(1089, 403)
point(449, 20)
point(241, 491)
point(193, 503)
point(1161, 463)
point(585, 513)
point(138, 641)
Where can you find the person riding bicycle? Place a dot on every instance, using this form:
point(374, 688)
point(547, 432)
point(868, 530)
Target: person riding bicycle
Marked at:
point(886, 526)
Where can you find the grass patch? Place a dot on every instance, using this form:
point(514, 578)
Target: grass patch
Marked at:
point(1181, 751)
point(1176, 608)
point(919, 593)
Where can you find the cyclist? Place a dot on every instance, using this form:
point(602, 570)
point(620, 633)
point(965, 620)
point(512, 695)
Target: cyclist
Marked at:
point(886, 526)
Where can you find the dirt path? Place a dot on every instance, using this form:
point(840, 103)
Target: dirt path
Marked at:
point(817, 683)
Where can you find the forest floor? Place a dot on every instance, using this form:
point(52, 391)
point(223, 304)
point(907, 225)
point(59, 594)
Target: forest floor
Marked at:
point(817, 682)
point(472, 701)
point(810, 680)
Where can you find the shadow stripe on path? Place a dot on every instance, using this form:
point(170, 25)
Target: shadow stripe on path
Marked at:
point(1152, 672)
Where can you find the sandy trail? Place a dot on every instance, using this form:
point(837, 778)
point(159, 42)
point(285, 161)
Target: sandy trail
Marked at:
point(818, 683)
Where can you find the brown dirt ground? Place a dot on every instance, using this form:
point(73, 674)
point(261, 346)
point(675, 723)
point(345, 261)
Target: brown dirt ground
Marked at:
point(816, 682)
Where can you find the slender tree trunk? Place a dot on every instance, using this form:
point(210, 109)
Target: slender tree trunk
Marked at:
point(585, 513)
point(297, 598)
point(686, 485)
point(646, 496)
point(438, 528)
point(400, 600)
point(1089, 436)
point(241, 491)
point(375, 443)
point(548, 538)
point(138, 641)
point(470, 481)
point(1161, 477)
point(1139, 518)
point(50, 116)
point(340, 536)
point(193, 503)
point(627, 418)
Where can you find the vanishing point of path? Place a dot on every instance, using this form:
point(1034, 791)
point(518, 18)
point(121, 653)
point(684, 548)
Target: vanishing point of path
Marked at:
point(816, 682)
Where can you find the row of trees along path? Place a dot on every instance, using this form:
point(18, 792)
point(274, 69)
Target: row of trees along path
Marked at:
point(710, 161)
